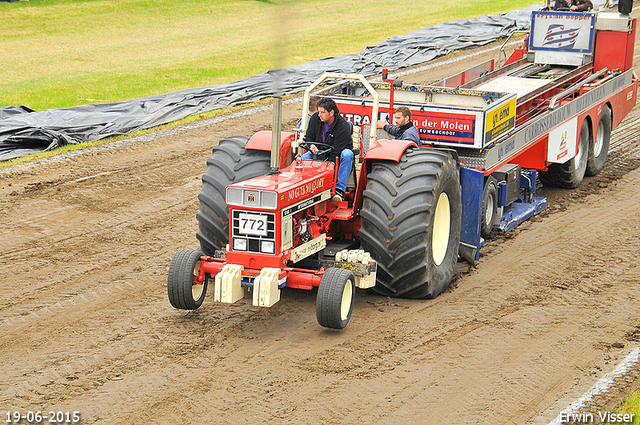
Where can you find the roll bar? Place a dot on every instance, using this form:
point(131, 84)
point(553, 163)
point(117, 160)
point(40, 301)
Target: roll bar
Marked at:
point(341, 76)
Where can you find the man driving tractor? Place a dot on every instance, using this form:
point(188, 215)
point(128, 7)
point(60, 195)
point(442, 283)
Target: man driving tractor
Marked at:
point(327, 127)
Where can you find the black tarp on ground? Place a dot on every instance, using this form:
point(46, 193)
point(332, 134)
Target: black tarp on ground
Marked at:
point(23, 131)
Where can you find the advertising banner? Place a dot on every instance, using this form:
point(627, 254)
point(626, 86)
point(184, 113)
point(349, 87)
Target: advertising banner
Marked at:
point(562, 31)
point(500, 120)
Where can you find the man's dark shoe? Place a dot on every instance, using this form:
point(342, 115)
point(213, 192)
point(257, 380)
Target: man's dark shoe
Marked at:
point(338, 197)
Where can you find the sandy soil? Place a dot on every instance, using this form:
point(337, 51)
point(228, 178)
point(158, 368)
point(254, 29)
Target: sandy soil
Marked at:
point(87, 239)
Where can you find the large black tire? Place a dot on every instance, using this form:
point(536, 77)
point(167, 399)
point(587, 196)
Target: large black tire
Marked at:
point(411, 219)
point(489, 206)
point(570, 174)
point(599, 149)
point(183, 290)
point(334, 302)
point(229, 163)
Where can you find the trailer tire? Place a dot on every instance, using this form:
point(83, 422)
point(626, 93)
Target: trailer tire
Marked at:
point(411, 221)
point(230, 163)
point(334, 302)
point(184, 293)
point(570, 174)
point(489, 206)
point(599, 149)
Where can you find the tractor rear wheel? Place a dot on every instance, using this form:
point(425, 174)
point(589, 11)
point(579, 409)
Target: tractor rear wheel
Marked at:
point(182, 287)
point(334, 302)
point(570, 174)
point(229, 163)
point(411, 221)
point(599, 149)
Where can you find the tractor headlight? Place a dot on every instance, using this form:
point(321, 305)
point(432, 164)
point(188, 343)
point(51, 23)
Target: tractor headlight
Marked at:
point(234, 196)
point(268, 247)
point(239, 244)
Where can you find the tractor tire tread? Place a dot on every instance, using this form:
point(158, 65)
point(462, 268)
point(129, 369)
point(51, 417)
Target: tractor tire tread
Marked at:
point(395, 223)
point(329, 298)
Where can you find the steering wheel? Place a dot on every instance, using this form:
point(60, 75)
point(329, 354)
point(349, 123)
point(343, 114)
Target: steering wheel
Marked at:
point(323, 148)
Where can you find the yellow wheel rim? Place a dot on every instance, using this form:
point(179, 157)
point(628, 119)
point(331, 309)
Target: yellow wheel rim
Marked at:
point(441, 229)
point(196, 289)
point(347, 295)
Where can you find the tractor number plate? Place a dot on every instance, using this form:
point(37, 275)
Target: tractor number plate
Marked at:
point(253, 224)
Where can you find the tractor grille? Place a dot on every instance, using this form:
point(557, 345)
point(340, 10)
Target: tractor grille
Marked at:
point(254, 231)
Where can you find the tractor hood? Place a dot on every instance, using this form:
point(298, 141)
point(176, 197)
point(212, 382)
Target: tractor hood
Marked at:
point(298, 182)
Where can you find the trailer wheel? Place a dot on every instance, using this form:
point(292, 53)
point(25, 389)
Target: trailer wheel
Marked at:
point(184, 291)
point(599, 149)
point(229, 163)
point(334, 302)
point(489, 206)
point(570, 174)
point(411, 220)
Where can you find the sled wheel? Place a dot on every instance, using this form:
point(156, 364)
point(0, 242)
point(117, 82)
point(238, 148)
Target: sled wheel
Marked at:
point(411, 221)
point(599, 149)
point(334, 303)
point(229, 163)
point(183, 289)
point(489, 206)
point(570, 174)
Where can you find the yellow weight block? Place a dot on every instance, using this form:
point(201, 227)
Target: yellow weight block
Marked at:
point(265, 287)
point(228, 284)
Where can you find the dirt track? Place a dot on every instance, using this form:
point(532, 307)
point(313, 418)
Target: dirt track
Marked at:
point(86, 243)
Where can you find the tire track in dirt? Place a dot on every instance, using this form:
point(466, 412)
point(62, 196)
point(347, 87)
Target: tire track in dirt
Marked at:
point(331, 373)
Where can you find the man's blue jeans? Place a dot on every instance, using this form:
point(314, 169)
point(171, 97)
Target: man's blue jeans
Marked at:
point(344, 169)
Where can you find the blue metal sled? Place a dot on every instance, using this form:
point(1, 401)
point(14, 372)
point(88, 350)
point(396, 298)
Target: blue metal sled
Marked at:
point(520, 211)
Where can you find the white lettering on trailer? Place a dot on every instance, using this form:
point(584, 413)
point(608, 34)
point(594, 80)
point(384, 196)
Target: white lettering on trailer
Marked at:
point(454, 125)
point(441, 126)
point(357, 120)
point(429, 124)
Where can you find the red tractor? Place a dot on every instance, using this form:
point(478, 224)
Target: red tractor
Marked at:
point(264, 226)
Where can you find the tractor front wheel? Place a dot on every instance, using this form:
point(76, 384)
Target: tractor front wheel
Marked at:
point(185, 292)
point(334, 303)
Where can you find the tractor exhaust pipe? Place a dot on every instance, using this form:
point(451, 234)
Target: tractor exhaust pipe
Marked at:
point(276, 134)
point(625, 7)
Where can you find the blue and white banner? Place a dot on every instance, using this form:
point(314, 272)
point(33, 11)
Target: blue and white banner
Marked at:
point(563, 31)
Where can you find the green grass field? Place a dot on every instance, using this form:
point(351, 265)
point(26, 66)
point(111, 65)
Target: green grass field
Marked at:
point(631, 406)
point(59, 53)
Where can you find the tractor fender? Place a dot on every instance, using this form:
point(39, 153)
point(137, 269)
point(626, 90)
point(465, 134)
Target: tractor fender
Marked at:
point(261, 141)
point(388, 149)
